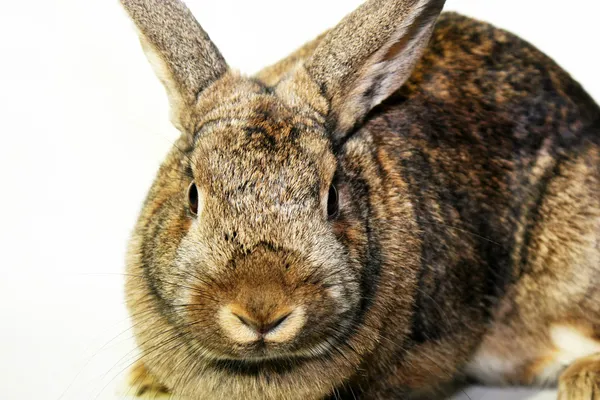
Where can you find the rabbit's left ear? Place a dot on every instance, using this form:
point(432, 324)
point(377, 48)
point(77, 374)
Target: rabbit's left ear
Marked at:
point(369, 55)
point(181, 53)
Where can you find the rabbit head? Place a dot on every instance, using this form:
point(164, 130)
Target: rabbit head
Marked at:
point(249, 265)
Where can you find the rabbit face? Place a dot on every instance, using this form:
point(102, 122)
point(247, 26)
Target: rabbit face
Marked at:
point(258, 271)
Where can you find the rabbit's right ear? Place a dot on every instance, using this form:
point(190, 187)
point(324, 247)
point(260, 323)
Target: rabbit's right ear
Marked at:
point(181, 53)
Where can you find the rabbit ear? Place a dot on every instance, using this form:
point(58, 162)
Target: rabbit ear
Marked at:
point(181, 53)
point(369, 55)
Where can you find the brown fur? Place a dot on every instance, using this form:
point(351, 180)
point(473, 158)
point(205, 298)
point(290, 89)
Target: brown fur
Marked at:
point(144, 383)
point(581, 381)
point(467, 165)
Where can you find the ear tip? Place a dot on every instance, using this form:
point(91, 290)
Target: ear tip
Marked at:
point(435, 5)
point(431, 9)
point(131, 6)
point(128, 4)
point(146, 6)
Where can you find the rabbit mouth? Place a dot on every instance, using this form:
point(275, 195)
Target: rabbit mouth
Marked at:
point(263, 359)
point(261, 366)
point(262, 354)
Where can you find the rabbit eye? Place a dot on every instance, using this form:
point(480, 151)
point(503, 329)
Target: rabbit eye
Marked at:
point(192, 198)
point(333, 204)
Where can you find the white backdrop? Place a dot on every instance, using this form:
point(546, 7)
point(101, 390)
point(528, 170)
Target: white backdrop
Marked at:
point(83, 128)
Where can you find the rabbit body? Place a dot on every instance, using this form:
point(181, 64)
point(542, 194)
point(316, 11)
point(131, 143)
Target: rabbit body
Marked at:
point(371, 227)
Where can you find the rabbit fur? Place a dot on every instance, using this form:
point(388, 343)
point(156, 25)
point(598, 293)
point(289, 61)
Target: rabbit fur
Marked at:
point(407, 200)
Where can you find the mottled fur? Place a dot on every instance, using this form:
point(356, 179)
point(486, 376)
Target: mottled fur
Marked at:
point(468, 170)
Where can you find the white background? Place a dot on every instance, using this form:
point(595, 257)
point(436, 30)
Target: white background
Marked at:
point(83, 128)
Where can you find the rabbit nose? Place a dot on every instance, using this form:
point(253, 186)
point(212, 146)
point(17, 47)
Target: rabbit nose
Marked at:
point(244, 326)
point(262, 327)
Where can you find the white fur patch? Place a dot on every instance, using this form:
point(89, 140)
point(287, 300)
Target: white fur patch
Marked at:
point(570, 344)
point(489, 368)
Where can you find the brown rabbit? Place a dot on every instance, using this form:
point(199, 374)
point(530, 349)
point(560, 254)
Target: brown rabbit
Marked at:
point(399, 204)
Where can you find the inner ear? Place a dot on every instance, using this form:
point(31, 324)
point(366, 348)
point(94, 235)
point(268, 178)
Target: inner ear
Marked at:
point(390, 67)
point(414, 30)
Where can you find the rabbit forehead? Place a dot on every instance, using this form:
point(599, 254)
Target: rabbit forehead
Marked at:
point(252, 141)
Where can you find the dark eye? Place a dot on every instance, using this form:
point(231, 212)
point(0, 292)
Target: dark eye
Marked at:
point(333, 203)
point(192, 198)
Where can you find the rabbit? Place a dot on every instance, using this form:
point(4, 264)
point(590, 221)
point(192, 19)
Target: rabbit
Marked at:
point(409, 201)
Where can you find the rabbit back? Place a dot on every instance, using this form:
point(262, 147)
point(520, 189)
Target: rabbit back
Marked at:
point(498, 148)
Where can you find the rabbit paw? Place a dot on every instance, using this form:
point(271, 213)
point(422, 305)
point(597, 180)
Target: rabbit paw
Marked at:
point(581, 380)
point(143, 383)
